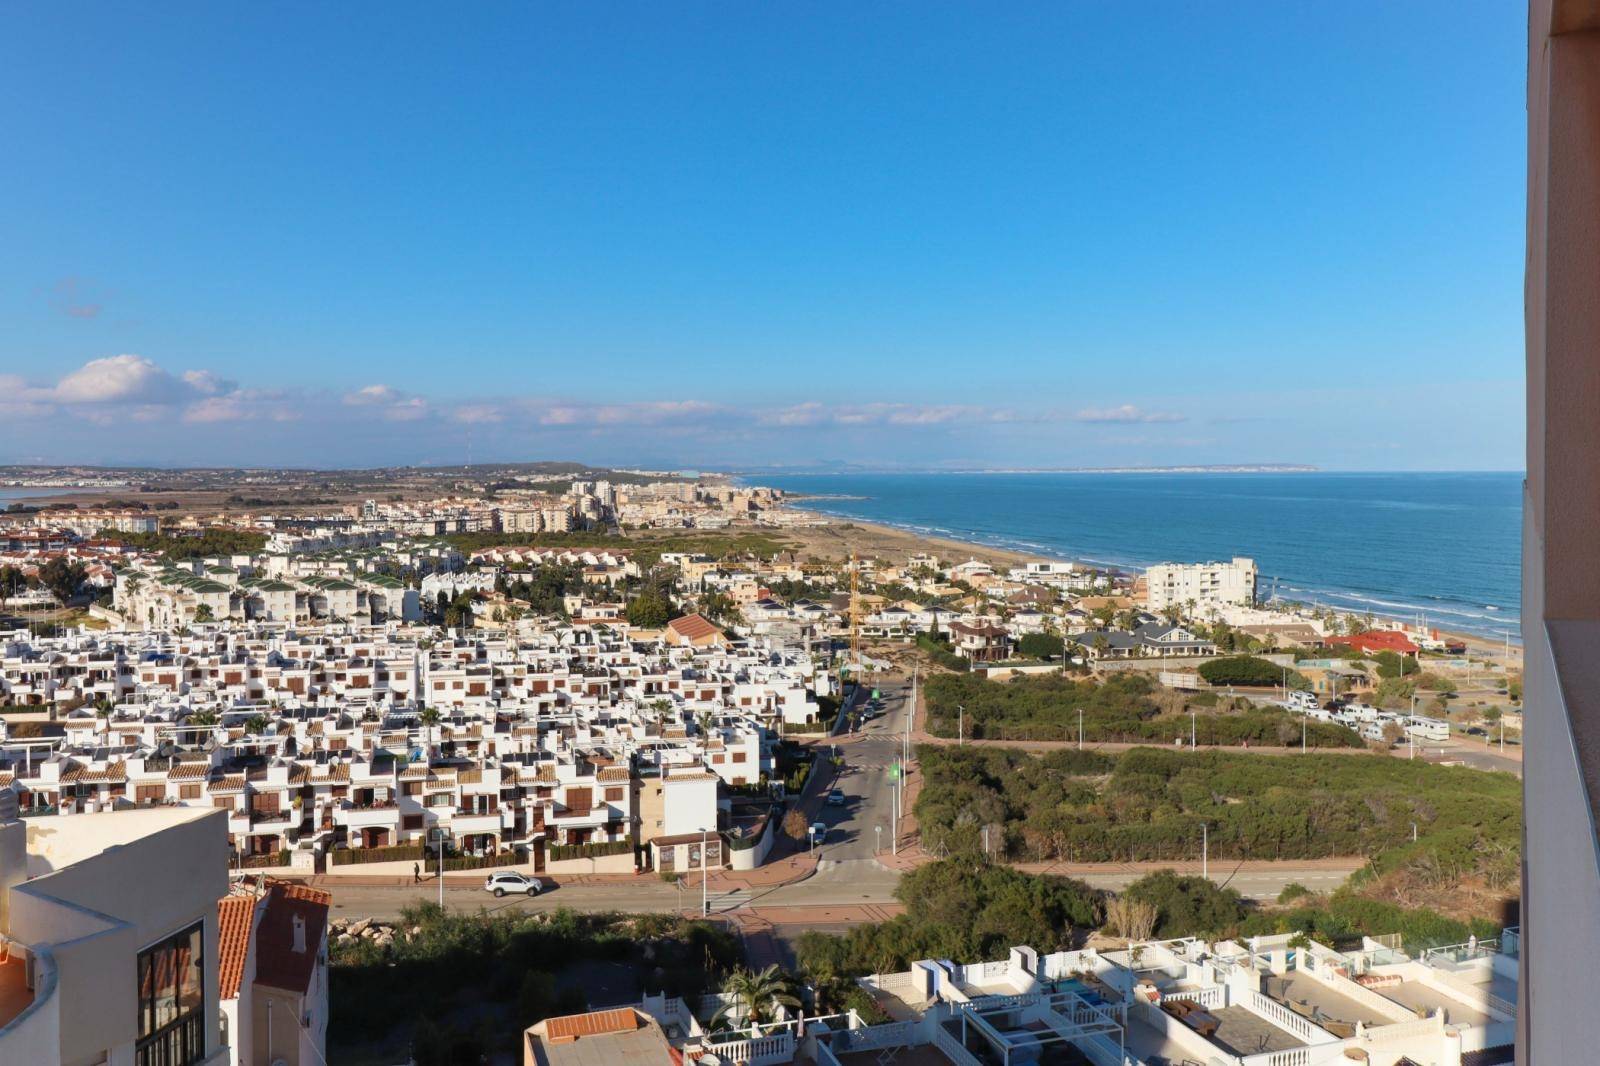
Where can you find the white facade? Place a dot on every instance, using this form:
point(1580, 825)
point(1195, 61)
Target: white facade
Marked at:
point(1180, 584)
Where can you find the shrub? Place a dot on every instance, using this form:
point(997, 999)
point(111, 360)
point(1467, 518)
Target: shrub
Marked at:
point(1188, 906)
point(393, 853)
point(1248, 670)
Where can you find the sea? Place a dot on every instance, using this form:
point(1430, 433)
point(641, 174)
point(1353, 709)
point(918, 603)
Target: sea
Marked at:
point(1440, 548)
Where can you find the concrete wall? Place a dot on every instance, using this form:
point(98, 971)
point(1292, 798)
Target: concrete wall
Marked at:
point(100, 911)
point(1561, 563)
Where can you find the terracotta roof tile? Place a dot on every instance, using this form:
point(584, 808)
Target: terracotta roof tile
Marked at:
point(234, 914)
point(278, 965)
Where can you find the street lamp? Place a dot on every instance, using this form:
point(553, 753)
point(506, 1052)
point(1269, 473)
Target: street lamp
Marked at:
point(878, 846)
point(1080, 728)
point(1205, 863)
point(961, 725)
point(705, 872)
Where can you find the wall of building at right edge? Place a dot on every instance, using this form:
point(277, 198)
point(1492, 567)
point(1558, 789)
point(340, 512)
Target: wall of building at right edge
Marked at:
point(1561, 551)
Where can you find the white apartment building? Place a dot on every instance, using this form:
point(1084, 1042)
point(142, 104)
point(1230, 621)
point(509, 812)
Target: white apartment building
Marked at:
point(110, 927)
point(1201, 584)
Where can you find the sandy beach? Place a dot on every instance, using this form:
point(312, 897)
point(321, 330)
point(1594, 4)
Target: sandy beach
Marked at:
point(840, 536)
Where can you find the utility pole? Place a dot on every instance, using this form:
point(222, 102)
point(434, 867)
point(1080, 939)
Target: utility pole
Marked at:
point(705, 872)
point(1303, 734)
point(1080, 728)
point(440, 838)
point(961, 725)
point(1205, 862)
point(1191, 729)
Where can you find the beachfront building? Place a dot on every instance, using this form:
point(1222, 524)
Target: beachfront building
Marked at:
point(1200, 585)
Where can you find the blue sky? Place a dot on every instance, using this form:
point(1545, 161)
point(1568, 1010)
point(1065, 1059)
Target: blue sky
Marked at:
point(733, 234)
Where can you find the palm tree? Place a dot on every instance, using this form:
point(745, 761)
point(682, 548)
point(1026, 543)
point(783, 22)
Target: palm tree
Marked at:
point(756, 995)
point(430, 719)
point(256, 724)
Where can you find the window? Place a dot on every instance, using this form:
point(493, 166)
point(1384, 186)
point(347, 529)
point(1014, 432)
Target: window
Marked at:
point(613, 795)
point(172, 1001)
point(189, 792)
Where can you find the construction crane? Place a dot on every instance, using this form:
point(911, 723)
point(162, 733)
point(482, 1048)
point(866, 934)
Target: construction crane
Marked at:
point(855, 611)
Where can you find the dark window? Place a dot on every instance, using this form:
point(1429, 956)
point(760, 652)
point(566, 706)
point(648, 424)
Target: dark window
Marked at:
point(172, 1001)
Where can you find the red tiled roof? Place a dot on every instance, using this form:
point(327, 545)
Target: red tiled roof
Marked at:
point(277, 963)
point(1377, 640)
point(234, 915)
point(693, 627)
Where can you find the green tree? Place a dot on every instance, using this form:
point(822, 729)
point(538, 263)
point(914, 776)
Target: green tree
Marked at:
point(203, 613)
point(649, 610)
point(62, 578)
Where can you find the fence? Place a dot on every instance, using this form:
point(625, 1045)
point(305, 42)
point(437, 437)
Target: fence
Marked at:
point(874, 1037)
point(953, 1049)
point(761, 1051)
point(1299, 1056)
point(1287, 1020)
point(1214, 997)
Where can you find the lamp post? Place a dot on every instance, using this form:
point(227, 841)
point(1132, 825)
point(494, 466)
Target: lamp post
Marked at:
point(878, 844)
point(1205, 862)
point(440, 839)
point(961, 725)
point(1080, 728)
point(705, 872)
point(1191, 728)
point(1413, 832)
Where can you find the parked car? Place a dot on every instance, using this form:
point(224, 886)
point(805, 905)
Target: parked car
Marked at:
point(819, 831)
point(836, 798)
point(504, 881)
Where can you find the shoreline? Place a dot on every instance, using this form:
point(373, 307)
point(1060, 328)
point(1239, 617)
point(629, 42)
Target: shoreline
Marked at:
point(905, 542)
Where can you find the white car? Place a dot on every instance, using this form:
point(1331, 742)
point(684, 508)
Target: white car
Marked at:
point(509, 881)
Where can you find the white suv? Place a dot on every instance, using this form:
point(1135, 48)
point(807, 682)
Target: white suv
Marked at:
point(510, 881)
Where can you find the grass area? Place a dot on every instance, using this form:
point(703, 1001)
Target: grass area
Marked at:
point(1148, 804)
point(1125, 707)
point(464, 986)
point(647, 546)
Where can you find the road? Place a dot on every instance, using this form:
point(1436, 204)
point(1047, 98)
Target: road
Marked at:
point(836, 884)
point(863, 825)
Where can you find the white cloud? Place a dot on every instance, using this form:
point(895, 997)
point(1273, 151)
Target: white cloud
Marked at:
point(121, 379)
point(1125, 413)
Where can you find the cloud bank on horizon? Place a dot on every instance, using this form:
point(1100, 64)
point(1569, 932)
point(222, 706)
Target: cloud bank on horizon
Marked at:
point(130, 409)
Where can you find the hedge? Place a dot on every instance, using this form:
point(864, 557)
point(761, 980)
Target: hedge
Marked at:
point(482, 862)
point(393, 853)
point(558, 852)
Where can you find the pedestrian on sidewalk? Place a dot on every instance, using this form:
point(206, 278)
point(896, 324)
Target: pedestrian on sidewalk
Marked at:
point(416, 873)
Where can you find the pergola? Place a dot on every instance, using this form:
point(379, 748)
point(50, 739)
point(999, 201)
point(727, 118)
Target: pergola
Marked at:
point(1064, 1018)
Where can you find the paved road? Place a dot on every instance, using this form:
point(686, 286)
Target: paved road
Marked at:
point(837, 883)
point(864, 823)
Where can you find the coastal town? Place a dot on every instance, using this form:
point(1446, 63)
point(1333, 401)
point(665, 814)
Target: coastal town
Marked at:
point(629, 690)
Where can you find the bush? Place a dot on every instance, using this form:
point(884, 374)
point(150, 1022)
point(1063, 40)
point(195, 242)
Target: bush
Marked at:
point(1124, 707)
point(941, 654)
point(1188, 906)
point(393, 853)
point(1248, 670)
point(958, 910)
point(1040, 646)
point(558, 852)
point(1147, 805)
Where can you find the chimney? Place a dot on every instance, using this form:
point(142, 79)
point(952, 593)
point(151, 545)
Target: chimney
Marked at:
point(299, 925)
